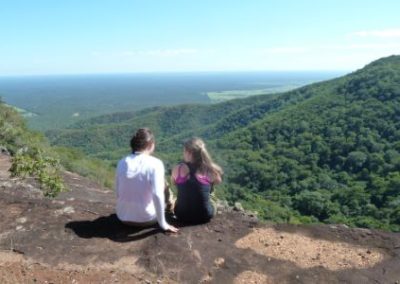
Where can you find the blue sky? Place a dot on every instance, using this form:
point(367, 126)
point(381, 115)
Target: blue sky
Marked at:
point(118, 36)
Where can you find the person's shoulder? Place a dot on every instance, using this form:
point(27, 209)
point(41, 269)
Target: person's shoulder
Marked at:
point(123, 161)
point(123, 164)
point(153, 159)
point(182, 167)
point(156, 162)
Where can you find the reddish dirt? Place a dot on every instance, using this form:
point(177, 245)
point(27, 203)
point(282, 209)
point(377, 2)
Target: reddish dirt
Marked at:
point(76, 238)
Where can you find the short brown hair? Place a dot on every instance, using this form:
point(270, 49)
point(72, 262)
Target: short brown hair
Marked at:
point(142, 139)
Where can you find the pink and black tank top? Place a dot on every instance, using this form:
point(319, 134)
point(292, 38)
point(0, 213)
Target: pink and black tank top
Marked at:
point(193, 201)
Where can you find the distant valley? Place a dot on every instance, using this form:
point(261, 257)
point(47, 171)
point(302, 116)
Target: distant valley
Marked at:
point(58, 101)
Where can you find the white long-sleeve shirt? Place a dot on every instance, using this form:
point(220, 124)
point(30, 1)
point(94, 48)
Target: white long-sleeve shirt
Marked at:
point(140, 189)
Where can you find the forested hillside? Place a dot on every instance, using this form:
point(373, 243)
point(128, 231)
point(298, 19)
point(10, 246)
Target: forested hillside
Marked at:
point(108, 136)
point(326, 152)
point(34, 158)
point(334, 157)
point(31, 154)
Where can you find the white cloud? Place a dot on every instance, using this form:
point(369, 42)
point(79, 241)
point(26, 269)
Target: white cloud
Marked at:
point(284, 50)
point(333, 56)
point(330, 47)
point(127, 53)
point(150, 53)
point(362, 46)
point(169, 52)
point(387, 33)
point(96, 53)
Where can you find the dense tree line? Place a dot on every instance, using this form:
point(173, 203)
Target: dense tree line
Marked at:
point(336, 155)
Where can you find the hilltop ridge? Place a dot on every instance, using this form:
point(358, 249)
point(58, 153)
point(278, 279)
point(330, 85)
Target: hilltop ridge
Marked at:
point(76, 238)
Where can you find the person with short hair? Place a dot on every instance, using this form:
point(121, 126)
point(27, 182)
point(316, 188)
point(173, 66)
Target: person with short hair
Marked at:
point(140, 184)
point(194, 179)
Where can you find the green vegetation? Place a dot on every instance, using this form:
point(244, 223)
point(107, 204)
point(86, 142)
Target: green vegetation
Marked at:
point(32, 156)
point(328, 152)
point(45, 169)
point(334, 157)
point(76, 161)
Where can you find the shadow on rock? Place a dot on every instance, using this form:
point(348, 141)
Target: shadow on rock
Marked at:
point(112, 228)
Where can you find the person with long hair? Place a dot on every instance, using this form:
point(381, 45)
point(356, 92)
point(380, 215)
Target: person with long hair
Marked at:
point(194, 179)
point(140, 184)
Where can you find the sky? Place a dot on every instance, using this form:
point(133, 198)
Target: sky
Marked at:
point(133, 36)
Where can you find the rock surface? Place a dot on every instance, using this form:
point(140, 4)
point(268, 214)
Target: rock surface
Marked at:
point(76, 238)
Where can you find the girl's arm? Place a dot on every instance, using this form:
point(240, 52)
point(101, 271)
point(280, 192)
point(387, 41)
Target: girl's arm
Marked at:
point(158, 185)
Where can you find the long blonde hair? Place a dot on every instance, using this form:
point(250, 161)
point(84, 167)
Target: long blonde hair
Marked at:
point(201, 159)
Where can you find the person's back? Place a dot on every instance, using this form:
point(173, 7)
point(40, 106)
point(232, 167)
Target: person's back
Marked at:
point(135, 175)
point(193, 202)
point(194, 180)
point(140, 184)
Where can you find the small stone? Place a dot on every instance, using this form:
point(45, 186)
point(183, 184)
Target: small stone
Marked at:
point(65, 210)
point(4, 151)
point(22, 220)
point(219, 262)
point(6, 184)
point(253, 214)
point(238, 206)
point(69, 210)
point(222, 204)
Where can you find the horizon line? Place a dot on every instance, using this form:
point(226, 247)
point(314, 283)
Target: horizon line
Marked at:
point(172, 72)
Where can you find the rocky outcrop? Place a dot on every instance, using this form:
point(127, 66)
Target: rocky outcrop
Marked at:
point(76, 238)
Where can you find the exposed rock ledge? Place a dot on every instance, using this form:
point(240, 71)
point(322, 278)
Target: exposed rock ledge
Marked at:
point(77, 239)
